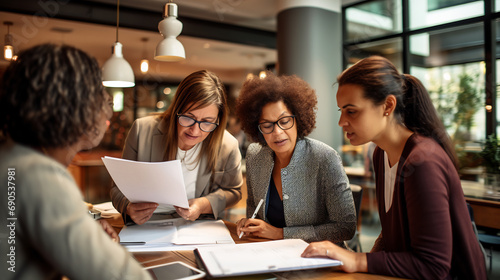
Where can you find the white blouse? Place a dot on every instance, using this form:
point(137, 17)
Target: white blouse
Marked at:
point(190, 165)
point(389, 180)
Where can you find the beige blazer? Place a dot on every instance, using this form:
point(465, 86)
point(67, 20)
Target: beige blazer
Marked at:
point(146, 142)
point(50, 232)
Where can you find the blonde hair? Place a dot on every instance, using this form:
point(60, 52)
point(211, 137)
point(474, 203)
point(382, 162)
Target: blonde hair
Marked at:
point(198, 90)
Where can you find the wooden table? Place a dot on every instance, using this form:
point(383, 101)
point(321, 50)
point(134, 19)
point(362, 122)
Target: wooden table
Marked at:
point(155, 258)
point(91, 175)
point(486, 205)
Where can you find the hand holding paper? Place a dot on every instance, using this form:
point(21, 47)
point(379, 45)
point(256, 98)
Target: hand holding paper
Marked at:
point(159, 182)
point(197, 206)
point(141, 212)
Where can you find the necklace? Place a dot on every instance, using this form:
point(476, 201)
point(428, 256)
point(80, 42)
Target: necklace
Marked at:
point(190, 157)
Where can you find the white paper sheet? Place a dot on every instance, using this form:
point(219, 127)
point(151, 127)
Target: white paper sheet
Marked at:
point(264, 257)
point(159, 182)
point(157, 232)
point(106, 208)
point(203, 232)
point(175, 234)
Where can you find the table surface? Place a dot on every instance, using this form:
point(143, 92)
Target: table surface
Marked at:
point(477, 190)
point(155, 258)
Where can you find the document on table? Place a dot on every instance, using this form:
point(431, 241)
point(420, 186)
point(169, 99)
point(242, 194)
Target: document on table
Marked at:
point(175, 234)
point(106, 208)
point(258, 257)
point(160, 182)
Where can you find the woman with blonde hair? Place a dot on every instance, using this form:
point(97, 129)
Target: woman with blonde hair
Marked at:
point(191, 130)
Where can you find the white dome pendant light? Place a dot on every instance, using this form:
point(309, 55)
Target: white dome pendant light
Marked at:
point(116, 71)
point(170, 49)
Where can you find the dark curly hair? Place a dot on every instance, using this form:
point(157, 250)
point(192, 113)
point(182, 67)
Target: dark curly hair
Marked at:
point(50, 96)
point(296, 93)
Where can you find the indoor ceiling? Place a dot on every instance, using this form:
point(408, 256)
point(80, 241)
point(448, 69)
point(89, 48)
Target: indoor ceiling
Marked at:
point(230, 59)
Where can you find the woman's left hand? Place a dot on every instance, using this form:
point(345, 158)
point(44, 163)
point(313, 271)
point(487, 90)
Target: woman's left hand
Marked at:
point(197, 206)
point(109, 230)
point(258, 228)
point(352, 262)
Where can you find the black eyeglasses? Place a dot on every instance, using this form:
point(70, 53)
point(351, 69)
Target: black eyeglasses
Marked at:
point(188, 122)
point(284, 123)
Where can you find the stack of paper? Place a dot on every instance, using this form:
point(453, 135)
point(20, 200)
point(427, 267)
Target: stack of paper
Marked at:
point(107, 210)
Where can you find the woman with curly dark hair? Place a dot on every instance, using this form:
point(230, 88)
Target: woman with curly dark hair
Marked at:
point(301, 180)
point(53, 105)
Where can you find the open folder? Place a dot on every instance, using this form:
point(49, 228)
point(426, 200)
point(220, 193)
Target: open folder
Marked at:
point(160, 182)
point(175, 234)
point(258, 258)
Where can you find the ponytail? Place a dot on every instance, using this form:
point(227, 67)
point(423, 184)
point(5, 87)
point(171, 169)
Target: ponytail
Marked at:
point(420, 116)
point(414, 109)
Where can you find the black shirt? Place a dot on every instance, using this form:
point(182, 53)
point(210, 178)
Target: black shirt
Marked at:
point(275, 213)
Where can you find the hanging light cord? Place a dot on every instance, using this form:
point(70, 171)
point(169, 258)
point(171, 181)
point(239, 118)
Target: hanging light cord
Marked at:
point(117, 17)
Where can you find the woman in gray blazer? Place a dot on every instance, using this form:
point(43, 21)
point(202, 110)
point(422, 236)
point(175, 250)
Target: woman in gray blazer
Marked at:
point(192, 130)
point(301, 180)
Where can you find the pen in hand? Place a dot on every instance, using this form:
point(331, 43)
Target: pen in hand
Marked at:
point(254, 213)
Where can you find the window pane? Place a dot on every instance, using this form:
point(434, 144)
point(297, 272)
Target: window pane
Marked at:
point(498, 95)
point(498, 72)
point(456, 45)
point(435, 12)
point(450, 64)
point(391, 49)
point(373, 19)
point(497, 5)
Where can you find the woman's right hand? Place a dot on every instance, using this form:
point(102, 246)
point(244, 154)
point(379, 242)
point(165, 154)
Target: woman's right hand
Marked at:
point(258, 228)
point(141, 212)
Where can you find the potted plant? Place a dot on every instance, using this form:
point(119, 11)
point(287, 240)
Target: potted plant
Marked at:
point(491, 161)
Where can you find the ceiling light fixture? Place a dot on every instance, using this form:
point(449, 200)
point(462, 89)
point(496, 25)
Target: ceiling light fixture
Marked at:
point(144, 61)
point(116, 71)
point(8, 48)
point(170, 49)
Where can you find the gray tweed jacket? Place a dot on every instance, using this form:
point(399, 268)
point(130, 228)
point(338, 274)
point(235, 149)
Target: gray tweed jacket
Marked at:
point(317, 199)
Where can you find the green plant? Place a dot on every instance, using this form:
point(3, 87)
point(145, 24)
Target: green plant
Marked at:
point(491, 155)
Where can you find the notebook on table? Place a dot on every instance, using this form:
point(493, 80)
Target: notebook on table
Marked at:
point(258, 258)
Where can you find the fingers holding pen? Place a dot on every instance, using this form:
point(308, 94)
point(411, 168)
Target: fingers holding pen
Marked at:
point(254, 227)
point(239, 225)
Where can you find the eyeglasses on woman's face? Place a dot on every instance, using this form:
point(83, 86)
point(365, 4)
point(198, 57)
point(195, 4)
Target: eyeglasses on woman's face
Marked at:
point(284, 123)
point(204, 126)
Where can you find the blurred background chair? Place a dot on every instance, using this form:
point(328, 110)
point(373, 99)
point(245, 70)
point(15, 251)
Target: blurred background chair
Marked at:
point(357, 195)
point(486, 240)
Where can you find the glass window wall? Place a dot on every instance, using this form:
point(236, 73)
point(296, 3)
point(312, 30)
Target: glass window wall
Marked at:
point(436, 12)
point(373, 19)
point(448, 59)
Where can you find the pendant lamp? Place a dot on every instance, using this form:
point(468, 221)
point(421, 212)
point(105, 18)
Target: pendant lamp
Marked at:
point(8, 48)
point(116, 71)
point(144, 61)
point(170, 49)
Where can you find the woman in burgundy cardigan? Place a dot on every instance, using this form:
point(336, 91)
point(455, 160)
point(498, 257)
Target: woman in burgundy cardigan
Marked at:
point(426, 229)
